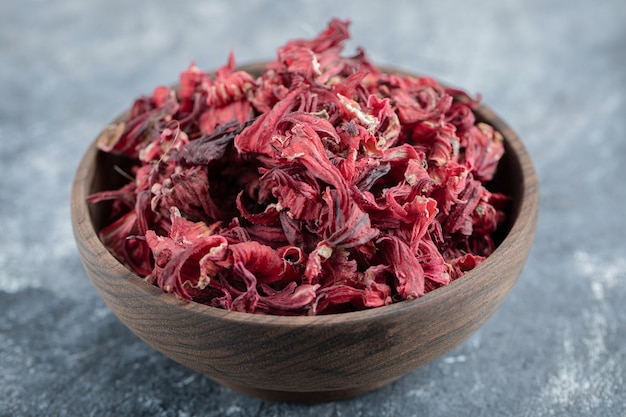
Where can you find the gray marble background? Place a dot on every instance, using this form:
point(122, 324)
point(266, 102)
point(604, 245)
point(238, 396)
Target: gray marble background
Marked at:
point(555, 70)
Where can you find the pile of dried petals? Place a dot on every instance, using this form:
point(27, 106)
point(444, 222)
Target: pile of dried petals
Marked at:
point(324, 185)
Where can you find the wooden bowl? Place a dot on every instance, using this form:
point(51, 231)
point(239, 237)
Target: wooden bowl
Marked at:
point(320, 358)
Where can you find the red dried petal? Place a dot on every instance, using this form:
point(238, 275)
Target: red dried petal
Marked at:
point(161, 95)
point(181, 258)
point(301, 61)
point(247, 300)
point(419, 213)
point(348, 226)
point(292, 229)
point(420, 101)
point(327, 47)
point(483, 149)
point(318, 123)
point(449, 181)
point(127, 138)
point(461, 116)
point(170, 140)
point(407, 269)
point(120, 237)
point(339, 268)
point(188, 190)
point(338, 295)
point(433, 264)
point(437, 140)
point(293, 299)
point(296, 193)
point(313, 269)
point(229, 85)
point(237, 111)
point(235, 233)
point(258, 137)
point(125, 196)
point(272, 236)
point(460, 217)
point(267, 218)
point(333, 36)
point(465, 263)
point(192, 80)
point(305, 146)
point(341, 297)
point(389, 126)
point(294, 262)
point(260, 260)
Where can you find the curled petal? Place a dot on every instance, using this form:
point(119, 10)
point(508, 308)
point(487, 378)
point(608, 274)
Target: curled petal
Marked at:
point(188, 190)
point(128, 138)
point(420, 101)
point(437, 140)
point(120, 238)
point(348, 226)
point(319, 124)
point(460, 217)
point(229, 85)
point(464, 263)
point(302, 61)
point(181, 258)
point(257, 138)
point(192, 80)
point(247, 300)
point(483, 150)
point(306, 147)
point(293, 299)
point(313, 269)
point(407, 269)
point(389, 127)
point(258, 259)
point(237, 111)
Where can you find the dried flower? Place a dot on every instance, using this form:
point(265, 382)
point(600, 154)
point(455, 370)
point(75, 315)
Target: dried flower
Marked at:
point(324, 185)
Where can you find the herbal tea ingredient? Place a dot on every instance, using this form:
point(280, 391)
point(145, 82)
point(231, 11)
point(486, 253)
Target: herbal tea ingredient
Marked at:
point(324, 185)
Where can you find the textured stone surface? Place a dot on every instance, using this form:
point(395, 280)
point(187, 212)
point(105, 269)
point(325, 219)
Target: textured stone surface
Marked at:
point(553, 69)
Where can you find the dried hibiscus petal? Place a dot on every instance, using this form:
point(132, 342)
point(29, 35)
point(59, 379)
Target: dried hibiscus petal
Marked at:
point(292, 299)
point(181, 259)
point(322, 185)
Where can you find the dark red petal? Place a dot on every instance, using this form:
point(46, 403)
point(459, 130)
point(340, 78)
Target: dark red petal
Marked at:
point(247, 301)
point(348, 226)
point(319, 124)
point(120, 237)
point(257, 138)
point(459, 219)
point(189, 191)
point(407, 269)
point(389, 126)
point(268, 217)
point(306, 147)
point(258, 259)
point(291, 299)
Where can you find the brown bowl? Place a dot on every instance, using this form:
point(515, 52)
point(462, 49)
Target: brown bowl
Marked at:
point(320, 358)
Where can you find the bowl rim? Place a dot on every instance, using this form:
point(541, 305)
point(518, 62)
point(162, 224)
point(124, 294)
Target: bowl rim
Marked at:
point(522, 224)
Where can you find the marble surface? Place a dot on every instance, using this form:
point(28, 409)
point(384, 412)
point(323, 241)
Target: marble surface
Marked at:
point(553, 69)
